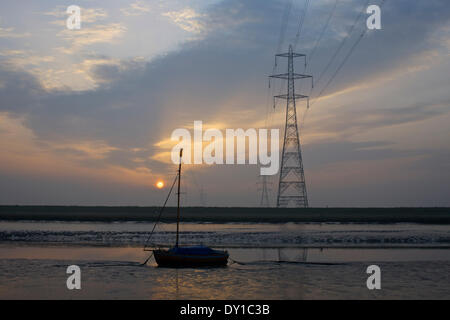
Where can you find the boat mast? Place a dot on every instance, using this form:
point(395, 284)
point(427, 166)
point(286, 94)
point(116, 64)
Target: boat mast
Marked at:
point(178, 204)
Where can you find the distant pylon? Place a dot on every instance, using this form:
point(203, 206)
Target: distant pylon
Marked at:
point(264, 201)
point(292, 185)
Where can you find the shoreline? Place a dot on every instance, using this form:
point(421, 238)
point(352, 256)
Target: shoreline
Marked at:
point(227, 214)
point(24, 244)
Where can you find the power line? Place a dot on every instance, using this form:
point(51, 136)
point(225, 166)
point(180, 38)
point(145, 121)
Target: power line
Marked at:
point(339, 48)
point(341, 65)
point(322, 33)
point(310, 56)
point(345, 60)
point(300, 23)
point(284, 24)
point(281, 38)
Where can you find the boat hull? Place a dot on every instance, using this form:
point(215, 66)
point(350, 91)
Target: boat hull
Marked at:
point(166, 258)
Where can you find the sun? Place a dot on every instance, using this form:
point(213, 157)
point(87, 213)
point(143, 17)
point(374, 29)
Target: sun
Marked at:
point(160, 184)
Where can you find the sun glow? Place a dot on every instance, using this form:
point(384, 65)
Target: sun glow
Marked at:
point(160, 184)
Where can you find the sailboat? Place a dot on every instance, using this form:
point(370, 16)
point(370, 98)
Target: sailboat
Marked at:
point(188, 256)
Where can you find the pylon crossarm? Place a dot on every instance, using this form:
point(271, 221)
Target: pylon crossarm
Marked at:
point(294, 55)
point(295, 76)
point(296, 96)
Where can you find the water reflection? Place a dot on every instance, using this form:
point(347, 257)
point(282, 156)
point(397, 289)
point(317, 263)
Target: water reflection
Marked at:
point(117, 273)
point(244, 255)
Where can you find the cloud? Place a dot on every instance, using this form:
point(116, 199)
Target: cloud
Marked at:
point(317, 155)
point(40, 66)
point(347, 123)
point(10, 33)
point(78, 39)
point(222, 78)
point(187, 19)
point(91, 31)
point(136, 9)
point(106, 70)
point(88, 15)
point(24, 154)
point(24, 59)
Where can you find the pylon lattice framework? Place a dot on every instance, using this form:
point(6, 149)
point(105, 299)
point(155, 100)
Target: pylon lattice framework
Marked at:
point(292, 185)
point(264, 188)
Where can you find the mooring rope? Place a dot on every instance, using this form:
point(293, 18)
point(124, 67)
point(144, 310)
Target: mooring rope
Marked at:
point(283, 261)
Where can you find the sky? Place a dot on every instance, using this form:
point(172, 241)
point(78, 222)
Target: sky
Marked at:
point(86, 115)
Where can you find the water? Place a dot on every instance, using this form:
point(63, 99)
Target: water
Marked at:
point(228, 234)
point(275, 261)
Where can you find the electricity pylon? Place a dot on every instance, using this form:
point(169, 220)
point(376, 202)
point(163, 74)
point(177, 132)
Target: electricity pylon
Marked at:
point(292, 185)
point(264, 188)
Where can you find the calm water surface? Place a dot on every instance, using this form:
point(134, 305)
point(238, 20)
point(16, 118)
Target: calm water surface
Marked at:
point(273, 261)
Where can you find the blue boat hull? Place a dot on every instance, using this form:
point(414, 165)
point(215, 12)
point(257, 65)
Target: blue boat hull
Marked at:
point(173, 259)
